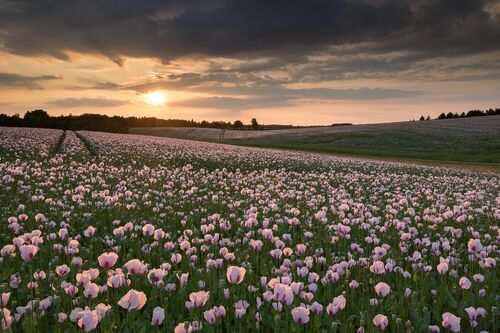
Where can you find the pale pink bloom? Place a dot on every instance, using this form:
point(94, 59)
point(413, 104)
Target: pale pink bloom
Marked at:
point(474, 245)
point(88, 320)
point(380, 321)
point(118, 280)
point(89, 232)
point(62, 270)
point(135, 266)
point(464, 283)
point(184, 327)
point(7, 250)
point(235, 274)
point(488, 262)
point(7, 319)
point(71, 290)
point(82, 279)
point(102, 309)
point(198, 299)
point(451, 322)
point(91, 290)
point(93, 272)
point(148, 229)
point(382, 289)
point(158, 316)
point(478, 278)
point(28, 252)
point(377, 267)
point(107, 259)
point(276, 253)
point(220, 311)
point(45, 303)
point(442, 268)
point(210, 317)
point(61, 317)
point(4, 299)
point(283, 293)
point(76, 261)
point(183, 279)
point(176, 258)
point(316, 308)
point(353, 284)
point(338, 304)
point(433, 329)
point(155, 276)
point(474, 313)
point(133, 300)
point(300, 314)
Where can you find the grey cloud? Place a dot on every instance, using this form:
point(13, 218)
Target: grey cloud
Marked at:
point(244, 28)
point(10, 80)
point(87, 102)
point(280, 97)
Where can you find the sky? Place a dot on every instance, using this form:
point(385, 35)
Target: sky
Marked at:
point(310, 62)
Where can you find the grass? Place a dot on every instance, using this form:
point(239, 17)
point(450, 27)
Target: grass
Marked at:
point(390, 143)
point(467, 141)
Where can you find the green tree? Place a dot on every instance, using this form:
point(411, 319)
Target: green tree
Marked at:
point(255, 124)
point(238, 124)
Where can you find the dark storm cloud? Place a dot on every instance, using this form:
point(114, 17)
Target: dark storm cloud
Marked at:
point(243, 28)
point(305, 41)
point(10, 80)
point(87, 102)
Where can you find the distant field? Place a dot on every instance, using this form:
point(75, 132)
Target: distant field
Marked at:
point(472, 140)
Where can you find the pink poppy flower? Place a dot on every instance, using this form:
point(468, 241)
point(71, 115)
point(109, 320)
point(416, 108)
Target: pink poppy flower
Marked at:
point(135, 266)
point(474, 245)
point(338, 304)
point(464, 283)
point(7, 319)
point(88, 320)
point(451, 322)
point(91, 290)
point(198, 299)
point(377, 267)
point(184, 327)
point(300, 315)
point(28, 252)
point(133, 300)
point(107, 259)
point(442, 268)
point(235, 274)
point(158, 316)
point(380, 321)
point(382, 289)
point(4, 299)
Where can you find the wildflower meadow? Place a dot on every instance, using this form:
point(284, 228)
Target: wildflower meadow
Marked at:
point(126, 233)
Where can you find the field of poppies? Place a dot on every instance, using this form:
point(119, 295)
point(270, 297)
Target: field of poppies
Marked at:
point(123, 233)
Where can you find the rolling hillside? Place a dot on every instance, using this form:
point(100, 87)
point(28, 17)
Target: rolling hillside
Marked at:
point(475, 140)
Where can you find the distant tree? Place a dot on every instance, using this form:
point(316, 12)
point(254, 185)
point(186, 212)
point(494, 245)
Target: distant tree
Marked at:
point(238, 124)
point(455, 115)
point(442, 116)
point(462, 115)
point(422, 118)
point(428, 117)
point(474, 113)
point(37, 118)
point(255, 124)
point(449, 115)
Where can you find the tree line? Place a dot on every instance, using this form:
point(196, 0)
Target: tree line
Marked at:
point(471, 113)
point(118, 124)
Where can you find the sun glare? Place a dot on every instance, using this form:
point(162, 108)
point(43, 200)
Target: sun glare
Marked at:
point(156, 98)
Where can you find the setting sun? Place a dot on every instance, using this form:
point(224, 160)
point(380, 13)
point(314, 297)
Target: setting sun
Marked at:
point(156, 98)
